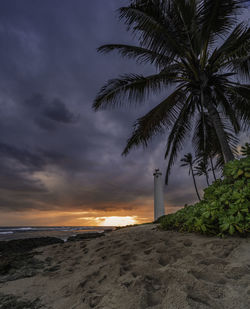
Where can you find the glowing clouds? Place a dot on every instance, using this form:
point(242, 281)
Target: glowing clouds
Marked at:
point(116, 221)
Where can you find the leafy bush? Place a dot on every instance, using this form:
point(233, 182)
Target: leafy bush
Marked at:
point(225, 208)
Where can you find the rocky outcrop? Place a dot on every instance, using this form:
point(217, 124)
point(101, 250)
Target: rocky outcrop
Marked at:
point(11, 301)
point(24, 245)
point(84, 236)
point(17, 260)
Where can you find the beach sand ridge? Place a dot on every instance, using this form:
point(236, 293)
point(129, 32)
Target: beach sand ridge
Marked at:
point(137, 268)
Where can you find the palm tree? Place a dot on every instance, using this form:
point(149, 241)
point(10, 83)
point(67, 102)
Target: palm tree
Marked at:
point(179, 38)
point(212, 167)
point(188, 161)
point(206, 143)
point(202, 169)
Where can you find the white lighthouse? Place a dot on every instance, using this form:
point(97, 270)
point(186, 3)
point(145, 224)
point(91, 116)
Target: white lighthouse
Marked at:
point(159, 209)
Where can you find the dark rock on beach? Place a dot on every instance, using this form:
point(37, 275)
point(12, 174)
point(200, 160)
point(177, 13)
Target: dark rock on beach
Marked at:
point(17, 260)
point(86, 236)
point(17, 266)
point(23, 245)
point(12, 302)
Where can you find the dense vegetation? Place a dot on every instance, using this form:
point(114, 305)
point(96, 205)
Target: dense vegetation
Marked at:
point(225, 208)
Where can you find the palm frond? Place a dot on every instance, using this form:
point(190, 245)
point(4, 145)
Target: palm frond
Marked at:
point(142, 55)
point(205, 140)
point(161, 117)
point(156, 32)
point(179, 132)
point(131, 88)
point(228, 109)
point(234, 50)
point(239, 97)
point(202, 167)
point(218, 17)
point(238, 43)
point(241, 66)
point(187, 161)
point(187, 13)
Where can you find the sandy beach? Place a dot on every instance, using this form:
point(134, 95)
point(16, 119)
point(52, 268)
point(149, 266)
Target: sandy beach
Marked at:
point(137, 267)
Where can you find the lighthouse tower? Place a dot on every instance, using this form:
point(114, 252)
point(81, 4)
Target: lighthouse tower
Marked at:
point(159, 209)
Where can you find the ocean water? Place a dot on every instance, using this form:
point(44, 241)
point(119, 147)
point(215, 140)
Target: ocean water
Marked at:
point(63, 232)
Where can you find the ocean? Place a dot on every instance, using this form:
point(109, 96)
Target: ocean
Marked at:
point(63, 232)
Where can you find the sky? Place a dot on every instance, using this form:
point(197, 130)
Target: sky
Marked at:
point(60, 162)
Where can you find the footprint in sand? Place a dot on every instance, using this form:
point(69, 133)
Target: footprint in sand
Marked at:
point(95, 300)
point(208, 276)
point(216, 291)
point(237, 272)
point(220, 249)
point(213, 261)
point(126, 257)
point(124, 268)
point(148, 251)
point(152, 284)
point(150, 298)
point(102, 279)
point(153, 299)
point(161, 249)
point(187, 243)
point(198, 300)
point(82, 284)
point(164, 260)
point(99, 249)
point(119, 243)
point(134, 274)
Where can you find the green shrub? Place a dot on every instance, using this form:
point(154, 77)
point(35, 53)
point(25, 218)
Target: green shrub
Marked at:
point(225, 208)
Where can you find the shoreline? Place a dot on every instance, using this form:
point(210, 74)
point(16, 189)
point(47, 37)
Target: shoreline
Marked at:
point(38, 232)
point(136, 267)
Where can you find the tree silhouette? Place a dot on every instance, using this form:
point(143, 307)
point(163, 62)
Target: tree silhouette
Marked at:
point(188, 161)
point(180, 39)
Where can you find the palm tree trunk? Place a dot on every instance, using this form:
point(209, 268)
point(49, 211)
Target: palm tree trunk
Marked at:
point(214, 115)
point(207, 180)
point(195, 183)
point(212, 166)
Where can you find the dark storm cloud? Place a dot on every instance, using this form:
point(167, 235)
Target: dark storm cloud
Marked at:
point(21, 155)
point(57, 111)
point(55, 152)
point(33, 161)
point(47, 114)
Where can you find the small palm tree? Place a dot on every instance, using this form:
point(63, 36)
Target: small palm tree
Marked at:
point(179, 38)
point(202, 169)
point(188, 161)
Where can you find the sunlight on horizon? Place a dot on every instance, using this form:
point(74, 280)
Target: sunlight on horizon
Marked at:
point(117, 221)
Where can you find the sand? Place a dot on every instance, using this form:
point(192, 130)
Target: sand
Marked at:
point(138, 267)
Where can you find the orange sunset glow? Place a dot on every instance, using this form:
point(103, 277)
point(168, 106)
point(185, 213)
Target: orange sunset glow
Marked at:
point(117, 221)
point(80, 218)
